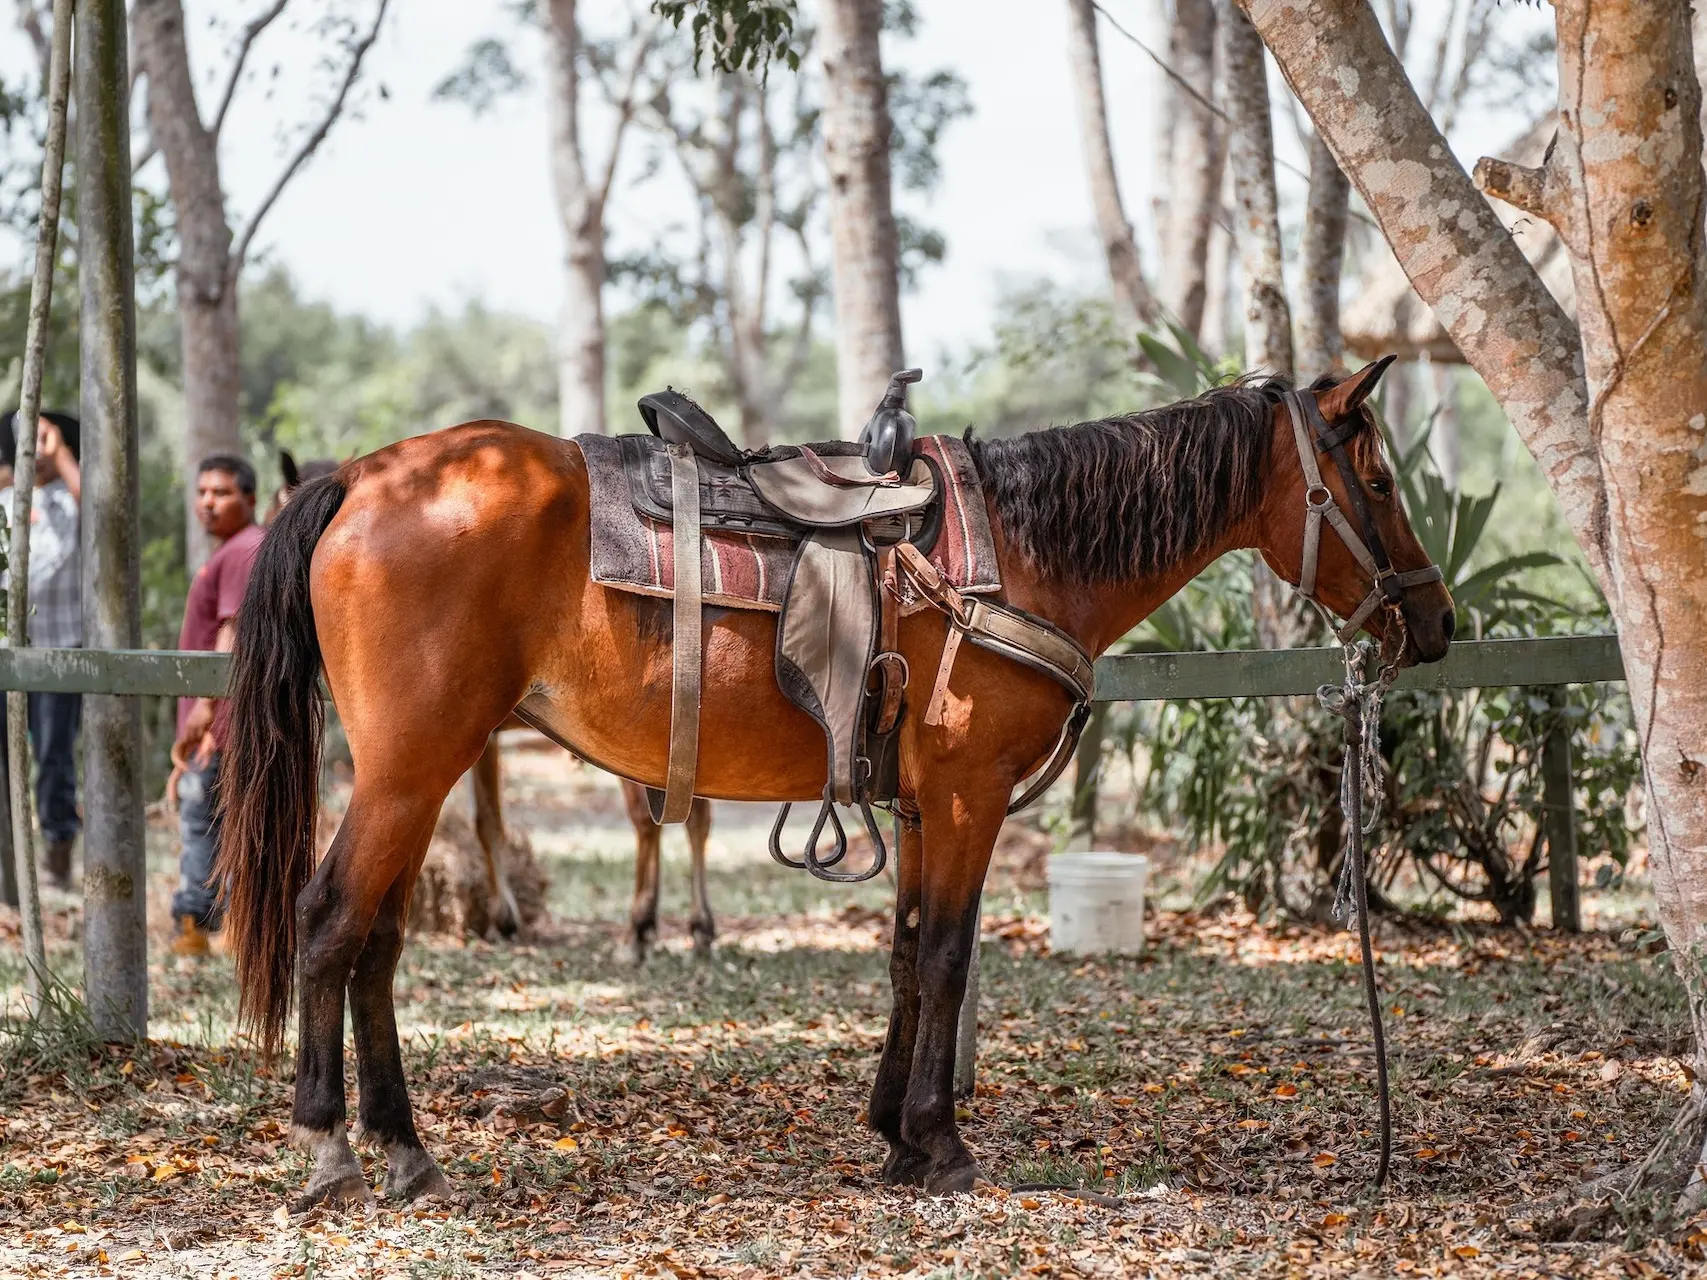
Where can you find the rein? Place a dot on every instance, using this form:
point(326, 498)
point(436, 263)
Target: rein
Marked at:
point(1358, 699)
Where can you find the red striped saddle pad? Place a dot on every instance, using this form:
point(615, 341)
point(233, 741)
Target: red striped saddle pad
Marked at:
point(632, 551)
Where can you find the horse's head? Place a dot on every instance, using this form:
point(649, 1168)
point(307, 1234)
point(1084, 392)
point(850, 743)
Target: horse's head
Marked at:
point(1335, 527)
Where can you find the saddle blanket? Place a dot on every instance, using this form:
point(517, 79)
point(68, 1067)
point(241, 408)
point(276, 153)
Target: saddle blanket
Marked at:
point(741, 570)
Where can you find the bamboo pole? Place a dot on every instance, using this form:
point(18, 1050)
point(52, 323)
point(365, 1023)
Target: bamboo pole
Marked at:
point(115, 938)
point(23, 491)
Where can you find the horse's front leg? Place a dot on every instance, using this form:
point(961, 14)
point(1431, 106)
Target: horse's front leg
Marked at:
point(906, 1165)
point(960, 828)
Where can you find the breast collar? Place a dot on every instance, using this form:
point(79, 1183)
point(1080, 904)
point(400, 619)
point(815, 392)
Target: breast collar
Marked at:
point(1312, 435)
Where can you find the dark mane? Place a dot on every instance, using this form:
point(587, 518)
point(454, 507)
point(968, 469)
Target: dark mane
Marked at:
point(1132, 496)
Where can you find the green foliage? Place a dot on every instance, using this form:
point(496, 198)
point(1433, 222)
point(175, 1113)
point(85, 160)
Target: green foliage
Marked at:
point(737, 34)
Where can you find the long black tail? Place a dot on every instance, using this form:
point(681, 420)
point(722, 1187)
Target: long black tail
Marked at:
point(270, 767)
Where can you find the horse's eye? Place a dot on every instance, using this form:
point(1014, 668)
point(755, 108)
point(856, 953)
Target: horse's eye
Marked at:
point(1381, 487)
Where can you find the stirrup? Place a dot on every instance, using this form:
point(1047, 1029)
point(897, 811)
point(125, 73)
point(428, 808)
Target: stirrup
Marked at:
point(810, 860)
point(821, 867)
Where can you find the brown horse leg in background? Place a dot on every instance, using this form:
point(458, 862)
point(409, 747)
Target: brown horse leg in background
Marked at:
point(648, 846)
point(487, 777)
point(488, 781)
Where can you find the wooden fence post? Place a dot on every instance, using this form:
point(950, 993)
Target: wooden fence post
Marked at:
point(1560, 815)
point(115, 945)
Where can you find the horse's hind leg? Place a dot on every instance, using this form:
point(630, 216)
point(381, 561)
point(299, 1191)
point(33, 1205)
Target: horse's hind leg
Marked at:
point(489, 829)
point(648, 840)
point(383, 837)
point(384, 1112)
point(701, 923)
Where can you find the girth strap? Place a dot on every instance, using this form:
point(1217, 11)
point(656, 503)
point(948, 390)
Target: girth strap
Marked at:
point(1017, 636)
point(685, 675)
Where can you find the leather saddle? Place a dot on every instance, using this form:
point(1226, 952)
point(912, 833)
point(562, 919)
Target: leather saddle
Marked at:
point(847, 505)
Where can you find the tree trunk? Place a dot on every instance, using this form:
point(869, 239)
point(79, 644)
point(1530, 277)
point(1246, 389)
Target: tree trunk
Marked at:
point(206, 281)
point(867, 253)
point(581, 322)
point(1624, 187)
point(1134, 304)
point(115, 872)
point(1322, 251)
point(1452, 246)
point(1195, 156)
point(1250, 162)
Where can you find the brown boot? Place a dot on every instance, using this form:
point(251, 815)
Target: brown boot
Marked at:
point(58, 864)
point(191, 939)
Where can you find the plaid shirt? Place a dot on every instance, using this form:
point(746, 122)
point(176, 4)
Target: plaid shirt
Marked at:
point(56, 566)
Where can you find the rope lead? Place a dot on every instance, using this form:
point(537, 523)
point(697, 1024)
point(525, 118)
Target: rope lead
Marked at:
point(1358, 703)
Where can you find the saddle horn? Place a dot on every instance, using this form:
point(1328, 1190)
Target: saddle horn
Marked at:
point(888, 437)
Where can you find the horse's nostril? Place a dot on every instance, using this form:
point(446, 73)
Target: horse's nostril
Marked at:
point(1448, 624)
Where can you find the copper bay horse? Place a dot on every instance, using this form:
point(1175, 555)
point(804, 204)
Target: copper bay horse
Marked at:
point(443, 582)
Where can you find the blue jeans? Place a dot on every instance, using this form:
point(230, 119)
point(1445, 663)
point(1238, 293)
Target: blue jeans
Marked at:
point(198, 827)
point(55, 719)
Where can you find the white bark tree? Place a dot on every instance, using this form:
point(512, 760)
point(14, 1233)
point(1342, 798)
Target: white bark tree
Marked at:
point(1615, 413)
point(1134, 304)
point(1250, 163)
point(1321, 252)
point(583, 193)
point(866, 248)
point(210, 254)
point(1193, 157)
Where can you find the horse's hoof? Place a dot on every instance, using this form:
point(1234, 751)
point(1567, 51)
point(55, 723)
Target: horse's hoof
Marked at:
point(905, 1168)
point(702, 940)
point(637, 953)
point(411, 1174)
point(955, 1179)
point(340, 1191)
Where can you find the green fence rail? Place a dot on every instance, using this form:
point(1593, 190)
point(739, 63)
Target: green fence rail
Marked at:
point(1126, 677)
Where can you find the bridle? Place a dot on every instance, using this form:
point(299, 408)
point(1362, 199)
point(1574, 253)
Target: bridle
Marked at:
point(1312, 434)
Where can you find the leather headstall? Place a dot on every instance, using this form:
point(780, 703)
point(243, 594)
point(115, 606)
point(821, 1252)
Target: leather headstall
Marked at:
point(1311, 433)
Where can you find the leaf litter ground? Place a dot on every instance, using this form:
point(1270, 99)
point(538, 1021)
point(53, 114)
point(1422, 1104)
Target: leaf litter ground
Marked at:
point(706, 1119)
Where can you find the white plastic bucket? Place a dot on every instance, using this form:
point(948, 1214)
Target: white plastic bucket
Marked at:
point(1096, 903)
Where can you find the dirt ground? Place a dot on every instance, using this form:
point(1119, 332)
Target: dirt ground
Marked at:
point(694, 1119)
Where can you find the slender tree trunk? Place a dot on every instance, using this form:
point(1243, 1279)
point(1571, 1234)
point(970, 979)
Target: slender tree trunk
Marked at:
point(1195, 154)
point(581, 322)
point(1624, 188)
point(1219, 333)
point(1322, 253)
point(115, 873)
point(1134, 304)
point(867, 252)
point(1250, 162)
point(206, 281)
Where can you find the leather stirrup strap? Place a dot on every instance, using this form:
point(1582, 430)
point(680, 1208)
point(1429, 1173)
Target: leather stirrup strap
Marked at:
point(686, 671)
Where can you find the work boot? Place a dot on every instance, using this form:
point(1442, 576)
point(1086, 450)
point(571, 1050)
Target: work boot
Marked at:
point(58, 864)
point(191, 939)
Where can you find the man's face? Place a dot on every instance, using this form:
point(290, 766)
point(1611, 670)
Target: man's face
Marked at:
point(222, 507)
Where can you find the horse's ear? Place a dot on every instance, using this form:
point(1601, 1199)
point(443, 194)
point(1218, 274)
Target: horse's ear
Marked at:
point(287, 464)
point(1343, 399)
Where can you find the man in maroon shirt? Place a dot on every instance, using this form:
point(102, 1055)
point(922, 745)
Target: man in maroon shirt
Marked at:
point(225, 504)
